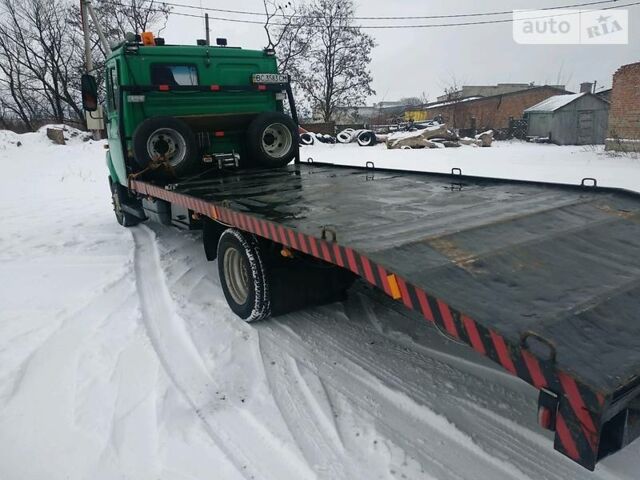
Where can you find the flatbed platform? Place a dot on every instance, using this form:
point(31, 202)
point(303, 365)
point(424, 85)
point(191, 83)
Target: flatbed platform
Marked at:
point(542, 279)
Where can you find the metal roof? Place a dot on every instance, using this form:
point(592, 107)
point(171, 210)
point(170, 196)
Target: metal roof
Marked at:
point(552, 104)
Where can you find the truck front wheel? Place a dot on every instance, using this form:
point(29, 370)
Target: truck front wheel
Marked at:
point(119, 197)
point(242, 275)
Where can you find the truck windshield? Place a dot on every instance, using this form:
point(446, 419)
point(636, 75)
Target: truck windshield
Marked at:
point(165, 74)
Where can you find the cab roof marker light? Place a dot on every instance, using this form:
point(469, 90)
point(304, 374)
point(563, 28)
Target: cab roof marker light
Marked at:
point(147, 39)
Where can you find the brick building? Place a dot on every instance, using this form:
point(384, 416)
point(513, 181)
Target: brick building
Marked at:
point(482, 113)
point(624, 114)
point(489, 90)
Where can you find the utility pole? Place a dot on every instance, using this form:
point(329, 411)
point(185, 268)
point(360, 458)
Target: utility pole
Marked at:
point(206, 27)
point(96, 124)
point(88, 61)
point(86, 7)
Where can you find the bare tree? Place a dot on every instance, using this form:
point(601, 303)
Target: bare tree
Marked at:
point(134, 16)
point(36, 60)
point(335, 68)
point(13, 86)
point(284, 26)
point(116, 20)
point(41, 54)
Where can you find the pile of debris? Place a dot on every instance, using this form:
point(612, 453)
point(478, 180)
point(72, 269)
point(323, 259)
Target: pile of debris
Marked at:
point(436, 136)
point(365, 138)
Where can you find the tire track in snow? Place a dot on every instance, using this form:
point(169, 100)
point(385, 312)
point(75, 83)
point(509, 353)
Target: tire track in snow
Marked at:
point(317, 438)
point(395, 414)
point(48, 377)
point(464, 360)
point(224, 424)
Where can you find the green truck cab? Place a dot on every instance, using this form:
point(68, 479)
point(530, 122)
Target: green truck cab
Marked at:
point(173, 111)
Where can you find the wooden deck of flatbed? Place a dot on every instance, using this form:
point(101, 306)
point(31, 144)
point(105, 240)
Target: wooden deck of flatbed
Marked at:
point(544, 280)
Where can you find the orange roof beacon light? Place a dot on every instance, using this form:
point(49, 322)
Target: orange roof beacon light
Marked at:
point(147, 39)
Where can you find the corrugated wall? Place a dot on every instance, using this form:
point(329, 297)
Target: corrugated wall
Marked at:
point(565, 122)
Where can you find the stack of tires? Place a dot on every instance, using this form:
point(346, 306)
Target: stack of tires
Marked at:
point(310, 138)
point(365, 138)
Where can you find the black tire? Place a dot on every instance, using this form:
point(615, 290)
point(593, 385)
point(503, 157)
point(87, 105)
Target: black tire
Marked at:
point(164, 135)
point(120, 196)
point(272, 140)
point(367, 139)
point(242, 275)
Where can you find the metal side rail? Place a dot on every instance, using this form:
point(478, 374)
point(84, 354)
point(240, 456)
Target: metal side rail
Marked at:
point(541, 279)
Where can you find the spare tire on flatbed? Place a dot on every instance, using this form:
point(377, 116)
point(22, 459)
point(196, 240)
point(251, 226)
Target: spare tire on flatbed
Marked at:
point(272, 140)
point(169, 139)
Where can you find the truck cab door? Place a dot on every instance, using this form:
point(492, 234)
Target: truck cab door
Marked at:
point(117, 155)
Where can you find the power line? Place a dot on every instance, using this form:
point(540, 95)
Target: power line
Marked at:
point(378, 27)
point(413, 17)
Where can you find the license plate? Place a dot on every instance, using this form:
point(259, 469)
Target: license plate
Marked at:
point(270, 78)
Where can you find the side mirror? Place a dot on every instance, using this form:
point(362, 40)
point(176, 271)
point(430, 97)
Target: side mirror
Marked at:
point(89, 89)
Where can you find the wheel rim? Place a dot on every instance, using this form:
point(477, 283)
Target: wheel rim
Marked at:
point(277, 140)
point(167, 144)
point(236, 275)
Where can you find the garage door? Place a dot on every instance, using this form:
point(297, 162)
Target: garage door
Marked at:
point(585, 128)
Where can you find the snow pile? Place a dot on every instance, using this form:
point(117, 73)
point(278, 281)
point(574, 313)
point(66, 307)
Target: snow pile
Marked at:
point(9, 140)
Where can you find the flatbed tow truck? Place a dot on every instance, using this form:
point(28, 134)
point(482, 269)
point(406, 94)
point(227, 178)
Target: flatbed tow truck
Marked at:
point(542, 279)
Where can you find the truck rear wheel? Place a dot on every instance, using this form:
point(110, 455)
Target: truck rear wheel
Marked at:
point(272, 140)
point(242, 275)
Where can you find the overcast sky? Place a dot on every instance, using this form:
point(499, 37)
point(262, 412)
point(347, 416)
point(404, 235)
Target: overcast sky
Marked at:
point(408, 62)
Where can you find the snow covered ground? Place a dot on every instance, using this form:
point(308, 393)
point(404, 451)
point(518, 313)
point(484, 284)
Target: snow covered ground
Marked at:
point(120, 359)
point(516, 160)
